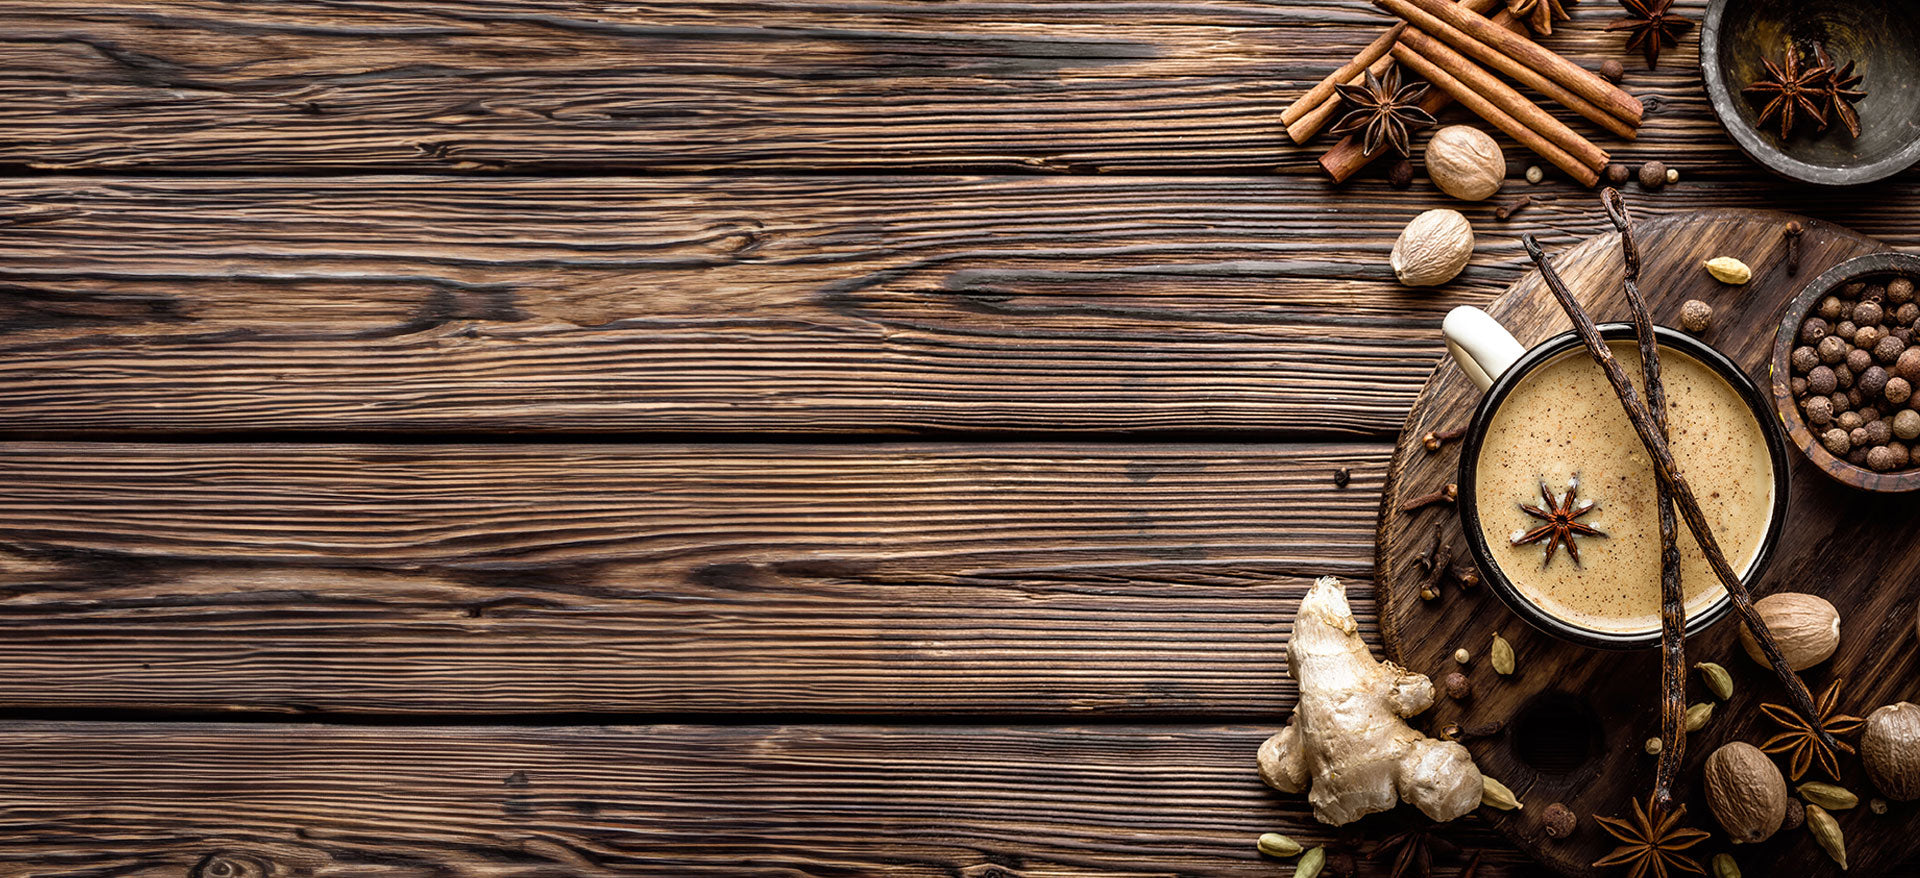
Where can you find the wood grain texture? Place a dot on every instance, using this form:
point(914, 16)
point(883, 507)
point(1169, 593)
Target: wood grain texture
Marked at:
point(1577, 719)
point(785, 801)
point(786, 305)
point(924, 579)
point(1028, 87)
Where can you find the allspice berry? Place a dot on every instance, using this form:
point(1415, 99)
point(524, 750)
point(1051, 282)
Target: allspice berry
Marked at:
point(1833, 349)
point(1812, 331)
point(1696, 316)
point(1830, 308)
point(1900, 290)
point(1908, 365)
point(1845, 329)
point(1819, 411)
point(1879, 431)
point(1400, 176)
point(1880, 459)
point(1612, 70)
point(1906, 314)
point(1821, 380)
point(1897, 391)
point(1858, 360)
point(1799, 385)
point(1804, 357)
point(1653, 175)
point(1836, 442)
point(1906, 425)
point(1457, 686)
point(1868, 336)
point(1843, 378)
point(1888, 349)
point(1867, 313)
point(1847, 420)
point(1618, 174)
point(1558, 820)
point(1857, 437)
point(1872, 380)
point(1796, 815)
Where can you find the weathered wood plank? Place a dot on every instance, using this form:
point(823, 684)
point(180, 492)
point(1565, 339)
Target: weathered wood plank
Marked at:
point(1028, 86)
point(920, 579)
point(751, 305)
point(785, 801)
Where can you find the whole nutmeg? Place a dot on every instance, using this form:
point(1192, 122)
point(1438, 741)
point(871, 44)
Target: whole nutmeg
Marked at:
point(1696, 316)
point(1558, 820)
point(1821, 380)
point(1745, 792)
point(1433, 248)
point(1890, 749)
point(1819, 411)
point(1457, 686)
point(1653, 175)
point(1805, 626)
point(1465, 162)
point(1836, 442)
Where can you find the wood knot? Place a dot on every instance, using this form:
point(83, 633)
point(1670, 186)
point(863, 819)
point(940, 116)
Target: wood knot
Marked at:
point(229, 865)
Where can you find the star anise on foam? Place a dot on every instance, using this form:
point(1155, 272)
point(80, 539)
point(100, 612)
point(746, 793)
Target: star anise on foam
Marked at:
point(1652, 26)
point(1560, 527)
point(1801, 740)
point(1650, 846)
point(1841, 92)
point(1789, 88)
point(1538, 14)
point(1385, 111)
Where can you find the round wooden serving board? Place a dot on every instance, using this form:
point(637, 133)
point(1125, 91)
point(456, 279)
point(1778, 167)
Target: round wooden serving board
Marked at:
point(1574, 720)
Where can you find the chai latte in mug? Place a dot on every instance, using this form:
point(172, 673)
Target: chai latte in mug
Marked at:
point(1562, 421)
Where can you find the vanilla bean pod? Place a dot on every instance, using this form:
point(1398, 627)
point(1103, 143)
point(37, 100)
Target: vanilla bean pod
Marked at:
point(1673, 614)
point(1667, 472)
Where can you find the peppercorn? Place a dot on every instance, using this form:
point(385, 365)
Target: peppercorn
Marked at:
point(1812, 331)
point(1400, 176)
point(1612, 71)
point(1819, 411)
point(1803, 358)
point(1837, 441)
point(1900, 290)
point(1873, 380)
point(1888, 349)
point(1868, 336)
point(1821, 380)
point(1695, 316)
point(1618, 174)
point(1458, 688)
point(1880, 458)
point(1847, 420)
point(1858, 360)
point(1867, 313)
point(1906, 425)
point(1879, 431)
point(1653, 175)
point(1832, 349)
point(1831, 308)
point(1558, 820)
point(1897, 391)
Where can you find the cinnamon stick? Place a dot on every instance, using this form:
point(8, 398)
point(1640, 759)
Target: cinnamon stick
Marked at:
point(1668, 473)
point(1673, 612)
point(1501, 49)
point(1499, 118)
point(1503, 96)
point(1319, 93)
point(1310, 124)
point(1346, 158)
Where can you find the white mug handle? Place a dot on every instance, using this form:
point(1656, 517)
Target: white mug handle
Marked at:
point(1481, 346)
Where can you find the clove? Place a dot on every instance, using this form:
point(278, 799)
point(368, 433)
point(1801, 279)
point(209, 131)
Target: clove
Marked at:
point(1436, 439)
point(1793, 232)
point(1341, 477)
point(1448, 494)
point(1506, 211)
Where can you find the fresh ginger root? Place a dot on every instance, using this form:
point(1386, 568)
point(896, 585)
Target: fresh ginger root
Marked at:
point(1348, 734)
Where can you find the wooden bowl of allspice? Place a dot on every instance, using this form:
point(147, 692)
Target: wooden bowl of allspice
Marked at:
point(1846, 372)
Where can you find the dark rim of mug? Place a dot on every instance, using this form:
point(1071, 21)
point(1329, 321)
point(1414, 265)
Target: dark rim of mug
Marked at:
point(1548, 350)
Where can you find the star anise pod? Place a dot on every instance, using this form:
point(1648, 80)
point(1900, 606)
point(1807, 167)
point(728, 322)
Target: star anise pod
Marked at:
point(1791, 89)
point(1841, 92)
point(1560, 527)
point(1652, 26)
point(1649, 846)
point(1385, 111)
point(1538, 14)
point(1412, 851)
point(1801, 740)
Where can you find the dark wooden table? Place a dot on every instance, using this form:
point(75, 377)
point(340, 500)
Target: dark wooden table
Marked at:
point(550, 437)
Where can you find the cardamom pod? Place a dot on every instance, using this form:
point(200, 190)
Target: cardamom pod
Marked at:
point(1826, 831)
point(1273, 844)
point(1698, 714)
point(1725, 867)
point(1502, 656)
point(1311, 864)
point(1718, 681)
point(1729, 270)
point(1495, 794)
point(1829, 796)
